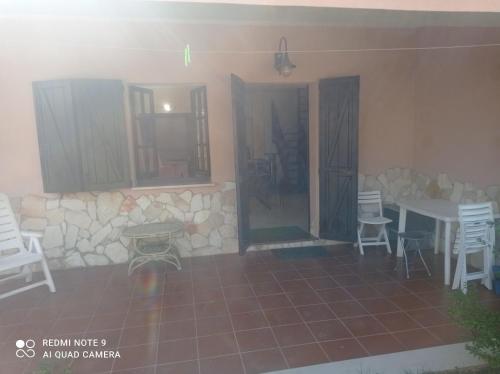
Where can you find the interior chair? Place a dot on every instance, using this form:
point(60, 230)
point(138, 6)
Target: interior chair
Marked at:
point(370, 214)
point(476, 236)
point(16, 258)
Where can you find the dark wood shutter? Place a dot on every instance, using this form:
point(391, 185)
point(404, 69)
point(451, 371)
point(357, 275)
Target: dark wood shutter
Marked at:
point(241, 164)
point(100, 120)
point(82, 135)
point(339, 105)
point(57, 137)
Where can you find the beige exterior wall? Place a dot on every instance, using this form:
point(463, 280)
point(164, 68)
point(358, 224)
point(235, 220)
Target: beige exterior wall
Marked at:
point(457, 127)
point(417, 109)
point(151, 52)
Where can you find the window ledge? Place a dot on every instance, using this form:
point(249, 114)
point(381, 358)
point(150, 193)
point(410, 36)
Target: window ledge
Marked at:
point(174, 187)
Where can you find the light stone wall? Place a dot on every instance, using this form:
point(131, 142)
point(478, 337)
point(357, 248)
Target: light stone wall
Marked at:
point(400, 183)
point(84, 229)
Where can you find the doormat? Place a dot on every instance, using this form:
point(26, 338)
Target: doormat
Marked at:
point(300, 252)
point(279, 234)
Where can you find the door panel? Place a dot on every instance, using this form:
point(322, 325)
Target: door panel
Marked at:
point(241, 164)
point(339, 106)
point(303, 152)
point(57, 137)
point(100, 119)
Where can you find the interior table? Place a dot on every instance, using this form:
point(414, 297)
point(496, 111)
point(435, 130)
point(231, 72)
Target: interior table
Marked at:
point(153, 242)
point(442, 211)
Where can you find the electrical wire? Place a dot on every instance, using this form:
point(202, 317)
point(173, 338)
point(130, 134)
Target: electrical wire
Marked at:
point(194, 51)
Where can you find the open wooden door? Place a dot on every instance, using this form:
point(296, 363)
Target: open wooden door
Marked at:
point(241, 162)
point(338, 172)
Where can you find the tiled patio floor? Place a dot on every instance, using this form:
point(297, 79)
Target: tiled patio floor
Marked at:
point(232, 314)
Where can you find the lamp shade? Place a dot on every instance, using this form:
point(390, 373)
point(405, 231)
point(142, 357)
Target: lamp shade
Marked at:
point(282, 61)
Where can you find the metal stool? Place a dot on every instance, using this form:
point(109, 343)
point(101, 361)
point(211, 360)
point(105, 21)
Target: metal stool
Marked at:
point(412, 241)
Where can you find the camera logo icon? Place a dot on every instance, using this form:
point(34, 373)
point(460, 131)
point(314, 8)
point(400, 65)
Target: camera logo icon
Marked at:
point(25, 348)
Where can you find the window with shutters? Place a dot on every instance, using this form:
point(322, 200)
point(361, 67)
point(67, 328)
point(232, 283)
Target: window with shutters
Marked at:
point(170, 134)
point(82, 135)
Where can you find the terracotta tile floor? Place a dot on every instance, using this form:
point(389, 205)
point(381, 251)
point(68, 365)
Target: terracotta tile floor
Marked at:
point(232, 314)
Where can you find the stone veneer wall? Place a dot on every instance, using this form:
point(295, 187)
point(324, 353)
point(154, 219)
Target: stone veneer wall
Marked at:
point(397, 183)
point(84, 229)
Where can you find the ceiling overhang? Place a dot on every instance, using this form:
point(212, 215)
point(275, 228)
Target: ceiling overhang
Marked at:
point(406, 5)
point(342, 13)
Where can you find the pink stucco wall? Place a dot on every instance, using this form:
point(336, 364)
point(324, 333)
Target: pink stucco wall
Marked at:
point(151, 52)
point(457, 128)
point(434, 111)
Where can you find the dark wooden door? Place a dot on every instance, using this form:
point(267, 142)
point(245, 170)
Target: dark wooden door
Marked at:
point(338, 173)
point(241, 162)
point(143, 129)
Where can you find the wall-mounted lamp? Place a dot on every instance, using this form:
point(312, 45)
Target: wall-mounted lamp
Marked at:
point(282, 62)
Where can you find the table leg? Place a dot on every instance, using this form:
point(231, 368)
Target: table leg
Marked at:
point(131, 256)
point(447, 253)
point(458, 272)
point(401, 228)
point(437, 237)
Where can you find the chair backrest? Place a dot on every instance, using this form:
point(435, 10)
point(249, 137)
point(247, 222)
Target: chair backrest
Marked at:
point(370, 204)
point(10, 236)
point(476, 225)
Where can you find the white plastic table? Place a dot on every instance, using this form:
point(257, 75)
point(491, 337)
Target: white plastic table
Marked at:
point(442, 211)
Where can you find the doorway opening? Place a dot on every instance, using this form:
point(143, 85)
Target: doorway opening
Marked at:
point(277, 150)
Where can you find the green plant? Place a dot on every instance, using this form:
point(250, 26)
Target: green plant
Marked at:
point(47, 366)
point(482, 323)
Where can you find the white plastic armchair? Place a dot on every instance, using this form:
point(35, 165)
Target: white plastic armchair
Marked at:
point(16, 258)
point(370, 213)
point(476, 236)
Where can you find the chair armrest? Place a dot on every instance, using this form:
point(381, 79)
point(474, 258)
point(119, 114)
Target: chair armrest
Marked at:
point(31, 234)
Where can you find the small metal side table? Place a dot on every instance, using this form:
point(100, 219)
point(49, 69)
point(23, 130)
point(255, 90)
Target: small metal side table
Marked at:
point(153, 242)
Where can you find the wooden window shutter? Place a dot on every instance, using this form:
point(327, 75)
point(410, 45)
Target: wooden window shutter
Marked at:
point(100, 120)
point(82, 135)
point(57, 137)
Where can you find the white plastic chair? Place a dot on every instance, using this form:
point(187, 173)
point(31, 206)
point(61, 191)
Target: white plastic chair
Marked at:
point(15, 256)
point(413, 242)
point(370, 213)
point(476, 236)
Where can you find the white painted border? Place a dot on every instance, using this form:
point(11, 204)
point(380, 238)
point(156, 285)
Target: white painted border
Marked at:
point(294, 244)
point(439, 358)
point(174, 187)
